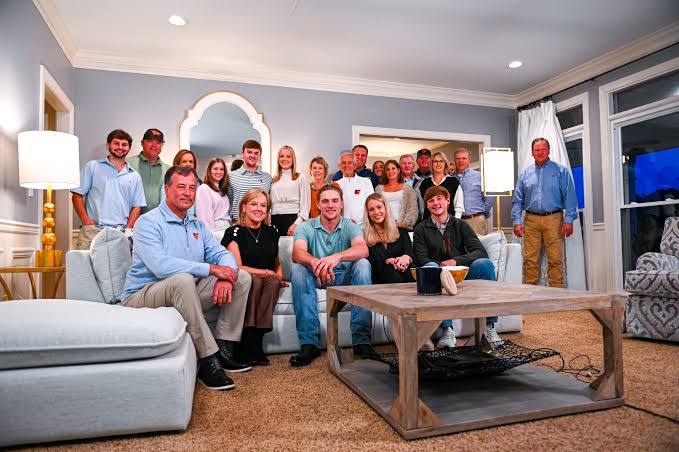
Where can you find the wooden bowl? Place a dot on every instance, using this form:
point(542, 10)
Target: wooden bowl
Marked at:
point(459, 272)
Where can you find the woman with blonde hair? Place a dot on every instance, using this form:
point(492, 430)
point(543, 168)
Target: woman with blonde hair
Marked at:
point(290, 194)
point(254, 245)
point(318, 170)
point(212, 204)
point(390, 250)
point(400, 197)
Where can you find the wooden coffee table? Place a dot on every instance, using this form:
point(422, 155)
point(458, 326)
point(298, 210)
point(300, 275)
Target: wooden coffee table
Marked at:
point(521, 394)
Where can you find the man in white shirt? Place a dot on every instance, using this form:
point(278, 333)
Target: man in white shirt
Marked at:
point(356, 189)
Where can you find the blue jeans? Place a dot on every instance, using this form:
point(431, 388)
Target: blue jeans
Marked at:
point(305, 302)
point(479, 269)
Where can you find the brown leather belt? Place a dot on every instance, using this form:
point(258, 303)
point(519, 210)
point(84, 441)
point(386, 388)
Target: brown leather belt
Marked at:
point(543, 214)
point(467, 217)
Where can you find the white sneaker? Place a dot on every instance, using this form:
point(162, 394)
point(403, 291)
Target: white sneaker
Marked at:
point(492, 337)
point(447, 339)
point(428, 346)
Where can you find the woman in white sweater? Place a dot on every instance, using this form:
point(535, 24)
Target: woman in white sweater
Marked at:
point(290, 194)
point(212, 204)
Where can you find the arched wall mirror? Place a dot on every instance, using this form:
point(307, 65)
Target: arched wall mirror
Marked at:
point(218, 125)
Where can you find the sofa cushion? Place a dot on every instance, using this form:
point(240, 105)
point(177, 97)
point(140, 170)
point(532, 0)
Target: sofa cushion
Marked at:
point(285, 255)
point(39, 333)
point(496, 247)
point(110, 255)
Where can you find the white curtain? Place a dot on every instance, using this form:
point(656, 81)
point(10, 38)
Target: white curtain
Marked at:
point(541, 121)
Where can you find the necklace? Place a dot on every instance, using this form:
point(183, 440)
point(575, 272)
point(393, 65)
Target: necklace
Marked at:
point(253, 235)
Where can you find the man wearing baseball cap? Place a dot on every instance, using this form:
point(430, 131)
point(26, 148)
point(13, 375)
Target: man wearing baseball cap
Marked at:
point(423, 163)
point(150, 167)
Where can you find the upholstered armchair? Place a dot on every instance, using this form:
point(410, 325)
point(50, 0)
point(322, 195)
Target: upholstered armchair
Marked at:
point(653, 307)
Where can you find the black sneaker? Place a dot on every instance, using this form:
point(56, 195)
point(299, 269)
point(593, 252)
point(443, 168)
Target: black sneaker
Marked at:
point(211, 375)
point(226, 357)
point(305, 356)
point(364, 351)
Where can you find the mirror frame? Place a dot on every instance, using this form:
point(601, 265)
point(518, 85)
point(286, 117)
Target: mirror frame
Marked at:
point(194, 114)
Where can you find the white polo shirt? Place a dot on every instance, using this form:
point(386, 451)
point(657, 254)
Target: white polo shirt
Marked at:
point(356, 190)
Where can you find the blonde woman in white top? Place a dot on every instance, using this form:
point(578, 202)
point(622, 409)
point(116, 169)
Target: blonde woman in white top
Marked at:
point(212, 204)
point(290, 194)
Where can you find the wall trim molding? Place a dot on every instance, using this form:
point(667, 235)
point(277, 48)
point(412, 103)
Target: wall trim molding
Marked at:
point(18, 227)
point(22, 253)
point(614, 59)
point(88, 59)
point(57, 26)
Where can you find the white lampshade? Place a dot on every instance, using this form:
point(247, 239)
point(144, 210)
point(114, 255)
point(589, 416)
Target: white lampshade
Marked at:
point(498, 170)
point(48, 158)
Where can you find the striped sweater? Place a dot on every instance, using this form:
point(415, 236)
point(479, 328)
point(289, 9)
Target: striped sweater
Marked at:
point(242, 180)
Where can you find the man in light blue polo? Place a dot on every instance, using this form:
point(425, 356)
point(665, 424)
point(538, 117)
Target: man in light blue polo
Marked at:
point(544, 190)
point(328, 250)
point(476, 205)
point(177, 262)
point(111, 193)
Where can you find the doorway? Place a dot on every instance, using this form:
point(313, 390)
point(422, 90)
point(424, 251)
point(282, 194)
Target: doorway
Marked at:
point(57, 114)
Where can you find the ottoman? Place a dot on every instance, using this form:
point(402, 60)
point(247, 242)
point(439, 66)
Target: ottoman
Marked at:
point(77, 369)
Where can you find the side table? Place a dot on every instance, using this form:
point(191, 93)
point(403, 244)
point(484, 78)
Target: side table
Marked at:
point(30, 270)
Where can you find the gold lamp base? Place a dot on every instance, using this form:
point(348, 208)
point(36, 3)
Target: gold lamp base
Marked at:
point(48, 258)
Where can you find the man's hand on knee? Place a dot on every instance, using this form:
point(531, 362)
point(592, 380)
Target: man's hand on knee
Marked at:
point(224, 273)
point(222, 292)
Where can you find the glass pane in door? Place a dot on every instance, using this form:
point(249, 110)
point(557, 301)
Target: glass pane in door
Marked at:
point(574, 150)
point(650, 160)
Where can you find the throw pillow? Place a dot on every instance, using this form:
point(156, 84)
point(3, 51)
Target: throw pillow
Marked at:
point(111, 259)
point(496, 247)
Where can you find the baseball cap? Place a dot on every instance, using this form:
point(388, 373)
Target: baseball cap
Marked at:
point(422, 152)
point(154, 134)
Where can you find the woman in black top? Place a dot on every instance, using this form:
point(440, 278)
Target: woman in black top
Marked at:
point(254, 244)
point(439, 177)
point(390, 249)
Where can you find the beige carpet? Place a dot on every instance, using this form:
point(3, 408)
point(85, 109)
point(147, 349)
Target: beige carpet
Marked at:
point(280, 408)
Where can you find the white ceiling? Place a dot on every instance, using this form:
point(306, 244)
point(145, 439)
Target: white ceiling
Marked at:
point(436, 50)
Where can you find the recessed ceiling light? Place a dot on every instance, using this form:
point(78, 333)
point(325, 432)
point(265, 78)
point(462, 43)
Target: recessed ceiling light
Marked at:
point(515, 64)
point(177, 20)
point(397, 138)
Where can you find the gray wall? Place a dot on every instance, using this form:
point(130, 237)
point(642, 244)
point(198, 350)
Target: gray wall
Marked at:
point(592, 89)
point(312, 122)
point(25, 43)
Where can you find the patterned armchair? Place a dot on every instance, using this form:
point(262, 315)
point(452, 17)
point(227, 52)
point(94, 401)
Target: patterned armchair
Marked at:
point(653, 307)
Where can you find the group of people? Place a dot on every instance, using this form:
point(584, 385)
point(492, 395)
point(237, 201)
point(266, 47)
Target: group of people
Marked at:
point(354, 230)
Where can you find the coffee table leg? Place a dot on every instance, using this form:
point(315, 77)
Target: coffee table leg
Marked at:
point(609, 385)
point(408, 409)
point(6, 289)
point(334, 351)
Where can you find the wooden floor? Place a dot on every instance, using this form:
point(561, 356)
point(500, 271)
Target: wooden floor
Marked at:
point(525, 393)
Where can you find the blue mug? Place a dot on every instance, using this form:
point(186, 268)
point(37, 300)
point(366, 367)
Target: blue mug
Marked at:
point(428, 280)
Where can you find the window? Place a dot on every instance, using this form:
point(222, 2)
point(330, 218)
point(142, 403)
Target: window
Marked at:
point(659, 88)
point(570, 118)
point(574, 149)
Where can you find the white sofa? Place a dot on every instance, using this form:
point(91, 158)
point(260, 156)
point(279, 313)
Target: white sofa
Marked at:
point(81, 284)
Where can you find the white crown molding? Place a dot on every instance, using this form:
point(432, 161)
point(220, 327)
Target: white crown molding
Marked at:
point(614, 59)
point(87, 59)
point(18, 227)
point(57, 26)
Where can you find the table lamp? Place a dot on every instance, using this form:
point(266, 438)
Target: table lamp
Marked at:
point(497, 167)
point(48, 161)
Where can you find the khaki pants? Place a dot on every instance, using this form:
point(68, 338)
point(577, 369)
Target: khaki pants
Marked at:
point(478, 224)
point(86, 235)
point(538, 229)
point(191, 299)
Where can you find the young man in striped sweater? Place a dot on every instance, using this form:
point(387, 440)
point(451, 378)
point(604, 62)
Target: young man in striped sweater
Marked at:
point(247, 176)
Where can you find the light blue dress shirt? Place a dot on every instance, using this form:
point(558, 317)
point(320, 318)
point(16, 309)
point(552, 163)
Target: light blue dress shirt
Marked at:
point(110, 194)
point(165, 245)
point(545, 189)
point(472, 187)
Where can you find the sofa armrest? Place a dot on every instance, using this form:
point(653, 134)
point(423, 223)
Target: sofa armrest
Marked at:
point(80, 281)
point(653, 283)
point(514, 268)
point(657, 262)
